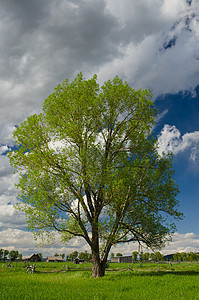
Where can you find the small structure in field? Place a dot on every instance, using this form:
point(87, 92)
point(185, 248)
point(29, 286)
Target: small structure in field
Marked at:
point(33, 258)
point(78, 261)
point(122, 259)
point(54, 259)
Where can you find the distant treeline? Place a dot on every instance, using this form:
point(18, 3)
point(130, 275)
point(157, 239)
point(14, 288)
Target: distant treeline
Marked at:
point(15, 255)
point(12, 255)
point(183, 256)
point(141, 256)
point(75, 254)
point(157, 256)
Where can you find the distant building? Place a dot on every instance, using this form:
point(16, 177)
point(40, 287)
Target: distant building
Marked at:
point(78, 261)
point(33, 258)
point(122, 259)
point(54, 259)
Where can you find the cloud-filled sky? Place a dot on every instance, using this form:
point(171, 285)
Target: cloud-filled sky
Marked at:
point(150, 43)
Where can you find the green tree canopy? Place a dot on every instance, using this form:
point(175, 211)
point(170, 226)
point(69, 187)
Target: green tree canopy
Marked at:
point(157, 256)
point(135, 255)
point(20, 256)
point(40, 255)
point(5, 254)
point(1, 253)
point(73, 255)
point(63, 255)
point(85, 255)
point(146, 256)
point(89, 168)
point(13, 255)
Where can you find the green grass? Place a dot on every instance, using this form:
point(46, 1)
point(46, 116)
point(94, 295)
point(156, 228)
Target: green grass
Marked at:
point(180, 281)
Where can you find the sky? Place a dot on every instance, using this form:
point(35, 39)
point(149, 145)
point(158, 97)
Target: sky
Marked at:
point(149, 43)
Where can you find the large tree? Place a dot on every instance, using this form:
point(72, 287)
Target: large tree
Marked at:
point(89, 168)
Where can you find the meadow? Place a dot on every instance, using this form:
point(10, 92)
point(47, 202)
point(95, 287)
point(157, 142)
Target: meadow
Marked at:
point(150, 281)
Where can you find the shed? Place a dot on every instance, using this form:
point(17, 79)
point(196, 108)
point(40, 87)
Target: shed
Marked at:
point(54, 259)
point(78, 261)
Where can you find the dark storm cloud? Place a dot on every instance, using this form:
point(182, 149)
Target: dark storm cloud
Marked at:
point(85, 29)
point(27, 14)
point(18, 18)
point(52, 31)
point(45, 41)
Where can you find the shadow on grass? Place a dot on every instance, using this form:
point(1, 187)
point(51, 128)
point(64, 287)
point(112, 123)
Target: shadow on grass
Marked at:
point(159, 273)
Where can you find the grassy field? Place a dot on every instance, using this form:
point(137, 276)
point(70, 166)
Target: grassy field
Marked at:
point(151, 281)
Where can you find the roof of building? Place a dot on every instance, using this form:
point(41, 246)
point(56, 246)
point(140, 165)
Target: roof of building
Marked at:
point(54, 258)
point(32, 255)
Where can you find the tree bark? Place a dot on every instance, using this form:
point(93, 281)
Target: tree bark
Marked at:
point(98, 266)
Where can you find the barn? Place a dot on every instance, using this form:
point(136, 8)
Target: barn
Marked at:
point(54, 259)
point(122, 259)
point(33, 258)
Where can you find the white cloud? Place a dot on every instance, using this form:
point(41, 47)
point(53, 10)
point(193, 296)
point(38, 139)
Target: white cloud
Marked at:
point(9, 218)
point(7, 199)
point(173, 10)
point(187, 242)
point(23, 241)
point(170, 140)
point(5, 167)
point(148, 26)
point(148, 65)
point(6, 135)
point(160, 116)
point(194, 154)
point(7, 183)
point(4, 149)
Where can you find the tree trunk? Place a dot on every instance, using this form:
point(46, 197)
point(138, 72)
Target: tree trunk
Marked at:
point(98, 267)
